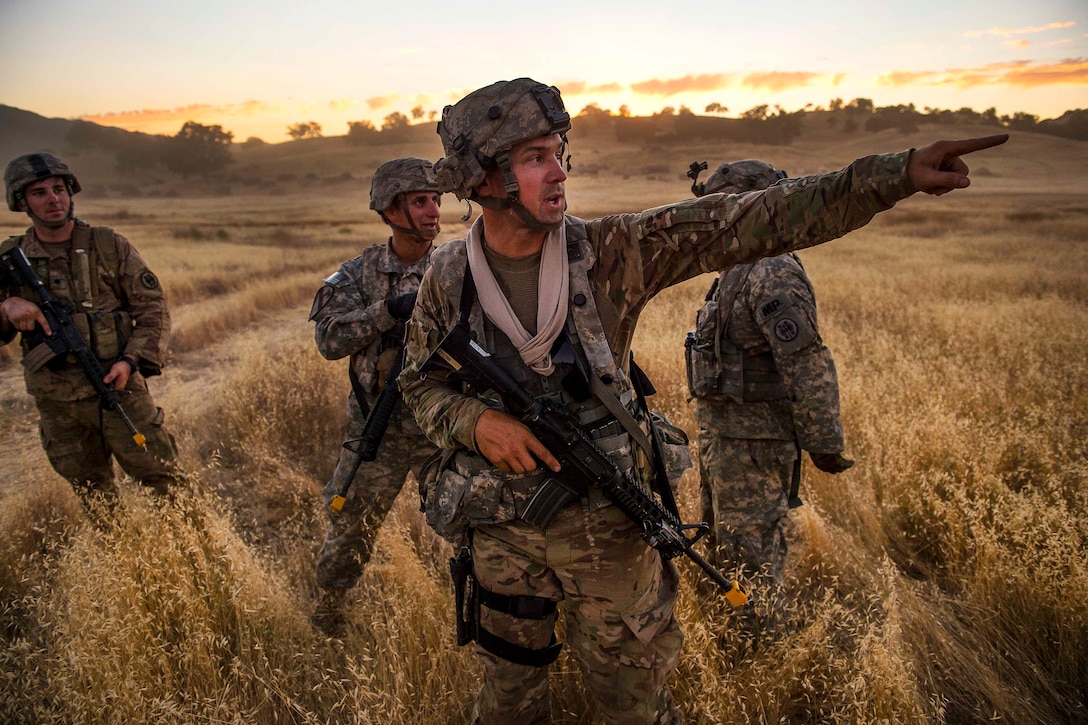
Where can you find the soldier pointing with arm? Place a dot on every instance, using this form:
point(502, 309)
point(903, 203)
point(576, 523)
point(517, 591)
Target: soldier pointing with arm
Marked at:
point(554, 300)
point(765, 388)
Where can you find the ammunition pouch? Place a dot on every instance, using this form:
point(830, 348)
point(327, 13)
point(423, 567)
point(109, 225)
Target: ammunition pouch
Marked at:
point(674, 448)
point(729, 372)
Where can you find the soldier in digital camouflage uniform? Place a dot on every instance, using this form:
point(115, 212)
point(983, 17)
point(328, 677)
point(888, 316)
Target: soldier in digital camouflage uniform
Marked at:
point(765, 389)
point(118, 306)
point(541, 278)
point(360, 313)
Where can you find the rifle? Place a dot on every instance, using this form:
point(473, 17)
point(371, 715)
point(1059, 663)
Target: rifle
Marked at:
point(578, 455)
point(65, 338)
point(366, 448)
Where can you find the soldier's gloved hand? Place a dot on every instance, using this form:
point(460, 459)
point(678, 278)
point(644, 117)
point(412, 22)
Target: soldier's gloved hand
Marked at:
point(400, 307)
point(831, 462)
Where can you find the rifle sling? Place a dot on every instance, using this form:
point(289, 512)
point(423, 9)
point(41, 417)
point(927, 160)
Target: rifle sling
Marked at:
point(357, 388)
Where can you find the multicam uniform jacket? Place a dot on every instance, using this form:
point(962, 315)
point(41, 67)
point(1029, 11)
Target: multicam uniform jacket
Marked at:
point(116, 302)
point(630, 258)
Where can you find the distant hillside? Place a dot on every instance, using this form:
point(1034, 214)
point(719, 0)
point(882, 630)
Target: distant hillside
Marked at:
point(115, 163)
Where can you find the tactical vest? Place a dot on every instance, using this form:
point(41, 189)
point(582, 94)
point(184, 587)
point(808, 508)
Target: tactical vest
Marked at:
point(584, 361)
point(715, 365)
point(93, 250)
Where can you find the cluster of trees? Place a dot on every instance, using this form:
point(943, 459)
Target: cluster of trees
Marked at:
point(776, 126)
point(195, 149)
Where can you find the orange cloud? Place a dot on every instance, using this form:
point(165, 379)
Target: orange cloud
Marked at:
point(776, 81)
point(1008, 32)
point(671, 86)
point(1018, 73)
point(149, 117)
point(581, 88)
point(378, 101)
point(1013, 44)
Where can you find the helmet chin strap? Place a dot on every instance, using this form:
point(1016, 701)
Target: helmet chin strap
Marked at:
point(512, 200)
point(413, 230)
point(48, 224)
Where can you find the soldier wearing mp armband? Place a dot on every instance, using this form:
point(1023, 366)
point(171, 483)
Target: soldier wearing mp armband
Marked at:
point(765, 389)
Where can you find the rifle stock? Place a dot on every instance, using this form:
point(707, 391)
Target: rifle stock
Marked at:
point(578, 455)
point(65, 338)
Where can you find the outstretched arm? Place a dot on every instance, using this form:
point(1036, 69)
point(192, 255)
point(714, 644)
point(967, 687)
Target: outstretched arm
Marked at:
point(938, 169)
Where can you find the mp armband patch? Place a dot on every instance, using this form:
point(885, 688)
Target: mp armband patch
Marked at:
point(785, 325)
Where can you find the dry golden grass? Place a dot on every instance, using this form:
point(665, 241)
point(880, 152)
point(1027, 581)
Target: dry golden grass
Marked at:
point(943, 579)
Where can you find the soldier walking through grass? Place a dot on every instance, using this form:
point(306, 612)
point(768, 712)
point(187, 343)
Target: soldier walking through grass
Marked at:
point(554, 301)
point(360, 313)
point(117, 305)
point(765, 388)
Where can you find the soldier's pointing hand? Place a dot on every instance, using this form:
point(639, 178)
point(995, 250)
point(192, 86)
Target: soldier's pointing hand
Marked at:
point(938, 169)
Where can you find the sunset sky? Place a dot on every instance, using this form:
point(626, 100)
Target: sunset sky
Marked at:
point(256, 67)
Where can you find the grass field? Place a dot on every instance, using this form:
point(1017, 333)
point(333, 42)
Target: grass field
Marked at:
point(943, 579)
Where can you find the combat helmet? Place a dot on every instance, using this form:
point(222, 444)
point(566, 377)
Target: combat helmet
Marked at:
point(400, 176)
point(29, 168)
point(735, 177)
point(392, 180)
point(479, 130)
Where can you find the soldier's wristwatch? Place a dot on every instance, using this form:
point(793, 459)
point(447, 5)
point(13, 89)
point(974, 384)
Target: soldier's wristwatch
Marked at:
point(132, 364)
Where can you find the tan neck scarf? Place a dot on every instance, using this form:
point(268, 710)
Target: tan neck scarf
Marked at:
point(551, 311)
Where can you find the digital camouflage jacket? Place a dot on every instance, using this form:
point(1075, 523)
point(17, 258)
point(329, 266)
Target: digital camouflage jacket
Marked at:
point(776, 378)
point(351, 316)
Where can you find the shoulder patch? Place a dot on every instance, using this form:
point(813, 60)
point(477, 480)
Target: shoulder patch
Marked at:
point(772, 307)
point(786, 329)
point(149, 280)
point(321, 299)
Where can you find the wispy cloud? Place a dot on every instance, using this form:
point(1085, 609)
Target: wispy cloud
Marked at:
point(1020, 74)
point(581, 88)
point(672, 86)
point(340, 105)
point(377, 102)
point(773, 81)
point(780, 81)
point(150, 117)
point(1009, 32)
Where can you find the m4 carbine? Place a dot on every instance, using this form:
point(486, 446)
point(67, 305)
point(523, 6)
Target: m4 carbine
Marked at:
point(583, 463)
point(65, 338)
point(366, 448)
